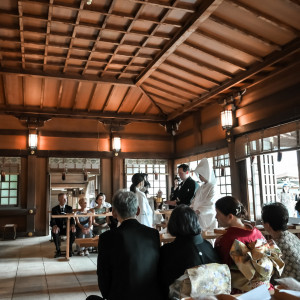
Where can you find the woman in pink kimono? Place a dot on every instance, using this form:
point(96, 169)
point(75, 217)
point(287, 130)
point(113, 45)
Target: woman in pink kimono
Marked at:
point(205, 197)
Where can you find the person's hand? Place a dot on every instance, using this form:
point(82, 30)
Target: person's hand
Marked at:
point(85, 230)
point(170, 202)
point(55, 229)
point(73, 228)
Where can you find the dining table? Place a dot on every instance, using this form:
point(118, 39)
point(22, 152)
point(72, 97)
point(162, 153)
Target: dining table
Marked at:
point(74, 215)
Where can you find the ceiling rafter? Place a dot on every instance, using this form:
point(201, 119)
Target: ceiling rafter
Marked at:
point(77, 91)
point(59, 95)
point(92, 97)
point(136, 104)
point(227, 43)
point(164, 98)
point(189, 71)
point(216, 56)
point(168, 92)
point(166, 101)
point(207, 7)
point(265, 17)
point(173, 85)
point(89, 78)
point(202, 64)
point(150, 98)
point(246, 32)
point(163, 5)
point(42, 93)
point(21, 26)
point(171, 75)
point(108, 97)
point(124, 98)
point(5, 96)
point(269, 60)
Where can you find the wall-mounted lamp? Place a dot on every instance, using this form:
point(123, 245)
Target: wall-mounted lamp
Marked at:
point(226, 119)
point(116, 145)
point(2, 176)
point(89, 2)
point(32, 141)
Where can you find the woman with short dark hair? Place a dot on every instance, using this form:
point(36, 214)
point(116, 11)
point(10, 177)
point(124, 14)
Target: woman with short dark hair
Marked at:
point(188, 249)
point(275, 217)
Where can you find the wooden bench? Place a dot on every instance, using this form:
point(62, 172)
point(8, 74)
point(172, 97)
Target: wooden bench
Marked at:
point(88, 242)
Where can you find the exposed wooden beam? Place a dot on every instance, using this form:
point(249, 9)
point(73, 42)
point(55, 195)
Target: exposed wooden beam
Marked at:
point(77, 90)
point(269, 60)
point(95, 115)
point(136, 104)
point(60, 76)
point(207, 7)
point(92, 97)
point(21, 25)
point(42, 93)
point(59, 95)
point(124, 98)
point(107, 98)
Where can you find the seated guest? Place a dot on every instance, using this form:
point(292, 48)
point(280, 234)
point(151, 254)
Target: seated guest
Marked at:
point(128, 255)
point(230, 213)
point(188, 250)
point(59, 226)
point(275, 217)
point(99, 223)
point(83, 226)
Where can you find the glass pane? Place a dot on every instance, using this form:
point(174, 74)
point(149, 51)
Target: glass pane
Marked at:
point(4, 201)
point(5, 185)
point(13, 201)
point(13, 185)
point(4, 193)
point(13, 193)
point(13, 177)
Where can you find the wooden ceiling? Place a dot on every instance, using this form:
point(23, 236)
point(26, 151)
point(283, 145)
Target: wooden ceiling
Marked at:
point(151, 60)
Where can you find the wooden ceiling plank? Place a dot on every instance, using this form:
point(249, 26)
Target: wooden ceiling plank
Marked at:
point(153, 102)
point(174, 85)
point(77, 90)
point(202, 64)
point(166, 102)
point(252, 35)
point(108, 97)
point(59, 96)
point(89, 78)
point(148, 109)
point(228, 44)
point(82, 2)
point(217, 56)
point(50, 11)
point(42, 93)
point(171, 75)
point(265, 17)
point(192, 72)
point(206, 8)
point(92, 97)
point(21, 26)
point(289, 49)
point(179, 96)
point(23, 91)
point(124, 98)
point(136, 104)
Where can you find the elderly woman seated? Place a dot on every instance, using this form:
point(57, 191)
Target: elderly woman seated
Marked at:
point(275, 217)
point(83, 226)
point(188, 249)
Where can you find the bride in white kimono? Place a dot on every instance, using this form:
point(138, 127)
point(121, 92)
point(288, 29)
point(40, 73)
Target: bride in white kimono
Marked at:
point(205, 197)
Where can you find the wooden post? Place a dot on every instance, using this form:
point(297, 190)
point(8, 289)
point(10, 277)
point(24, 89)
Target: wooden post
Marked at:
point(31, 194)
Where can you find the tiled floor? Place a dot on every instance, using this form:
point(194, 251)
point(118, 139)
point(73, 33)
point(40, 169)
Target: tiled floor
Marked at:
point(28, 271)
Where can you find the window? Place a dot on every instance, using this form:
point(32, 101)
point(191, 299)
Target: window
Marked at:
point(156, 170)
point(221, 165)
point(9, 190)
point(10, 168)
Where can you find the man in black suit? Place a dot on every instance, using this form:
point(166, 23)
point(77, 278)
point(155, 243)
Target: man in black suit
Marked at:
point(187, 188)
point(59, 226)
point(128, 255)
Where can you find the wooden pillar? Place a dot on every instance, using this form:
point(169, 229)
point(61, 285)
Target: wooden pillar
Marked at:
point(117, 174)
point(235, 176)
point(31, 194)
